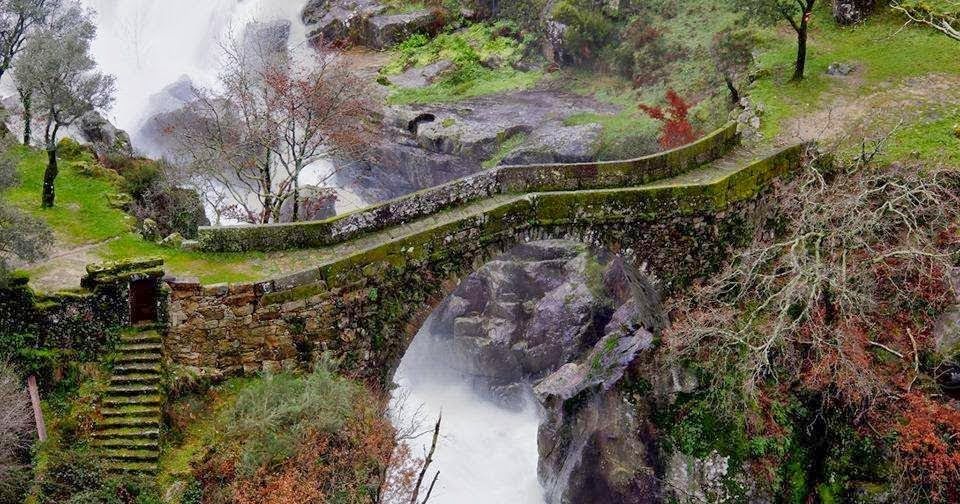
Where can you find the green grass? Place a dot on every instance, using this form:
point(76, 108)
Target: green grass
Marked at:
point(467, 49)
point(886, 53)
point(486, 82)
point(81, 213)
point(208, 267)
point(83, 216)
point(934, 141)
point(505, 148)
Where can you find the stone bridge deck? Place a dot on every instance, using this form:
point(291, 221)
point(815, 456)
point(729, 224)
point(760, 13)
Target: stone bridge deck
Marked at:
point(370, 289)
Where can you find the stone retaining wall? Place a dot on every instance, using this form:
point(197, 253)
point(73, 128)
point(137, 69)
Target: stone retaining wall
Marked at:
point(501, 180)
point(363, 307)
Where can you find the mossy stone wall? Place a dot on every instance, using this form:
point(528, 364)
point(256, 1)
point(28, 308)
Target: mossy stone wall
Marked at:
point(501, 180)
point(364, 306)
point(77, 322)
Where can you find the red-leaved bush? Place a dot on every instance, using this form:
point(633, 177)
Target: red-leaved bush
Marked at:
point(676, 129)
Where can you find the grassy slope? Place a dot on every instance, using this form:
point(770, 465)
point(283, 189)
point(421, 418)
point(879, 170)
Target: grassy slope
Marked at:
point(689, 32)
point(82, 216)
point(886, 52)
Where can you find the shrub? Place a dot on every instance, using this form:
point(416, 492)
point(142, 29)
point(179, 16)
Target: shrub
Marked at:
point(15, 424)
point(677, 130)
point(70, 473)
point(174, 209)
point(272, 416)
point(297, 438)
point(139, 174)
point(588, 29)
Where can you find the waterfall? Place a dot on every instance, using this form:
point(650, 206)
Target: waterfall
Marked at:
point(486, 453)
point(150, 44)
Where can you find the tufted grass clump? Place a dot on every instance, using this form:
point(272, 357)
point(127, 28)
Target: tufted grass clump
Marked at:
point(272, 416)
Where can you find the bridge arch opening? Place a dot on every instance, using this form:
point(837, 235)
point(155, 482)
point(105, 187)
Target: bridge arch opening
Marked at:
point(505, 352)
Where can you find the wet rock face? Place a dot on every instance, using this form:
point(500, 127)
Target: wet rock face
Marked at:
point(366, 22)
point(848, 12)
point(566, 323)
point(427, 145)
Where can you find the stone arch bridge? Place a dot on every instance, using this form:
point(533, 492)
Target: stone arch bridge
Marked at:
point(676, 214)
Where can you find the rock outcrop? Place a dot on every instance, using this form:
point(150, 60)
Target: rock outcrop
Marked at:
point(365, 22)
point(427, 145)
point(316, 203)
point(105, 137)
point(566, 323)
point(848, 12)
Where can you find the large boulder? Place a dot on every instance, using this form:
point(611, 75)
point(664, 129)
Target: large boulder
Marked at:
point(105, 137)
point(381, 32)
point(334, 21)
point(563, 144)
point(562, 323)
point(848, 12)
point(366, 22)
point(315, 203)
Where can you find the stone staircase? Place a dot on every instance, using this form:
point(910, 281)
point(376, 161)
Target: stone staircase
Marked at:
point(128, 437)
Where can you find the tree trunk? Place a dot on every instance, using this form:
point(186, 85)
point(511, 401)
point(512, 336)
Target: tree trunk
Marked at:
point(25, 96)
point(734, 94)
point(802, 41)
point(296, 199)
point(49, 176)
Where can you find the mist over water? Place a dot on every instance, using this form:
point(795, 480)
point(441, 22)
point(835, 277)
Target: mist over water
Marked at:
point(486, 454)
point(149, 44)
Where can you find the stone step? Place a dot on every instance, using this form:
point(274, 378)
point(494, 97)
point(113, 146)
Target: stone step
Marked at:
point(131, 357)
point(126, 466)
point(128, 433)
point(127, 443)
point(145, 378)
point(131, 389)
point(124, 400)
point(131, 455)
point(131, 410)
point(131, 421)
point(141, 337)
point(155, 347)
point(136, 367)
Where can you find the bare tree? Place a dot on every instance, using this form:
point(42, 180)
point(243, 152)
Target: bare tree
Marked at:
point(15, 423)
point(855, 241)
point(917, 13)
point(275, 115)
point(56, 67)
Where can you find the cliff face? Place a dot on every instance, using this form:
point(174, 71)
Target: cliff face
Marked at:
point(562, 323)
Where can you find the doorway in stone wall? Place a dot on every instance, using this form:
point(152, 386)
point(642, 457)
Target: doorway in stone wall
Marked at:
point(143, 301)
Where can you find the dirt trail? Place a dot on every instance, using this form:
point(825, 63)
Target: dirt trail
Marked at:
point(64, 267)
point(855, 116)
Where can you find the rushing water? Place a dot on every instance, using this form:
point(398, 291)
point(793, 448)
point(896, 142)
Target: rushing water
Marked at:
point(486, 454)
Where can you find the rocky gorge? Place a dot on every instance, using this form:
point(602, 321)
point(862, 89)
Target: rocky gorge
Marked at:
point(570, 329)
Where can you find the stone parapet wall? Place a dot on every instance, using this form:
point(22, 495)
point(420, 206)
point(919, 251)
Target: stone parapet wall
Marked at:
point(363, 306)
point(500, 180)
